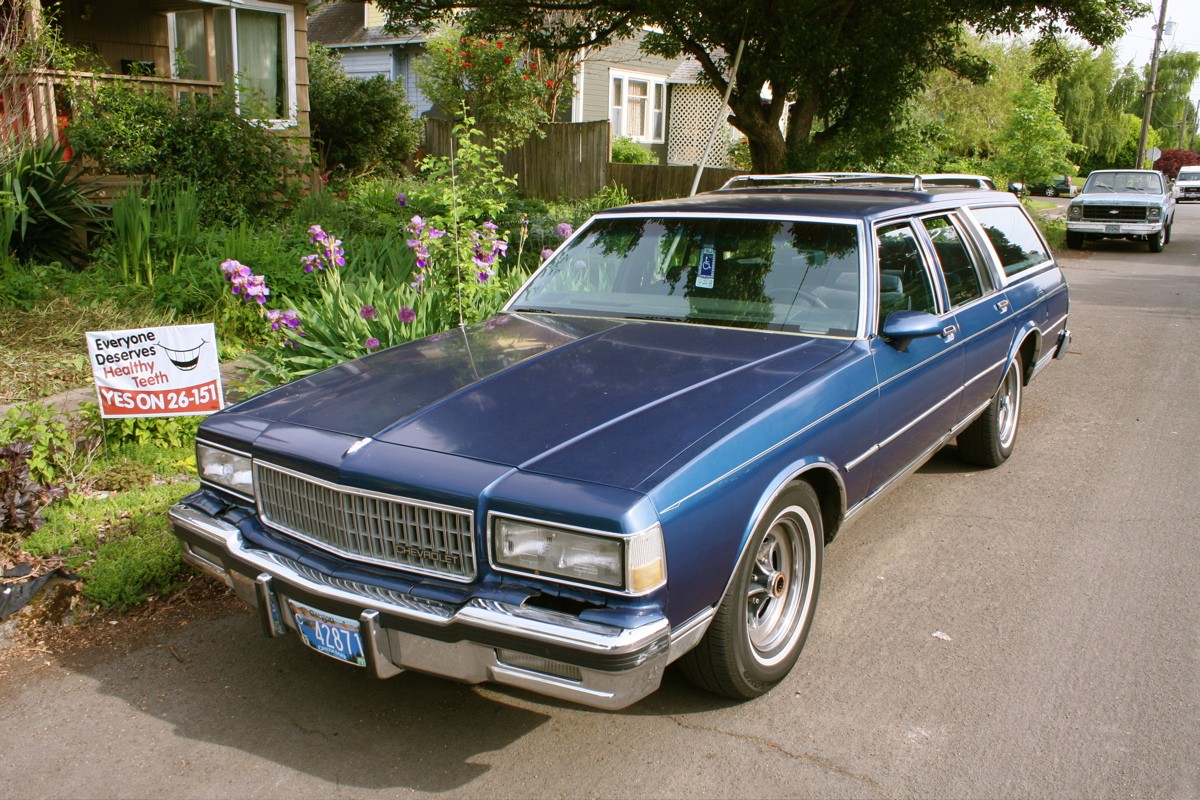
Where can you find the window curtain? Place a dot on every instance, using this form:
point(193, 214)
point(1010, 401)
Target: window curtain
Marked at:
point(260, 59)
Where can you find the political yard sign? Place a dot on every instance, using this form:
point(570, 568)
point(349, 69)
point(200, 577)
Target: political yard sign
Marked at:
point(156, 372)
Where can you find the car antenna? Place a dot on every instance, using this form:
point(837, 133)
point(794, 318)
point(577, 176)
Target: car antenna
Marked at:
point(737, 59)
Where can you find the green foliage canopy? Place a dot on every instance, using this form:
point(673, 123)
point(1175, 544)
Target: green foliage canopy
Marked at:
point(835, 66)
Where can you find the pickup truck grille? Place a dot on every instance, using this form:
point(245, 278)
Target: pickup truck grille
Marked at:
point(1094, 212)
point(367, 526)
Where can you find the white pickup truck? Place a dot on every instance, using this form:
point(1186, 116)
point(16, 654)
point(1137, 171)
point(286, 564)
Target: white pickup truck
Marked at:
point(1122, 204)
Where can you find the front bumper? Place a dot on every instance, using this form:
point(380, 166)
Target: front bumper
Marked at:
point(1116, 228)
point(540, 650)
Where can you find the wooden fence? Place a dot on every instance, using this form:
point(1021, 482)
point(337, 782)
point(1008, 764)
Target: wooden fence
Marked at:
point(572, 162)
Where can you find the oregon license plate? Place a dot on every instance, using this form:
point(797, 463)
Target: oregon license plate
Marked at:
point(336, 637)
point(1112, 228)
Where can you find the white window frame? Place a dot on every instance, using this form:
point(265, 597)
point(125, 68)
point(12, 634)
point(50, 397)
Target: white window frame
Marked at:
point(289, 55)
point(656, 105)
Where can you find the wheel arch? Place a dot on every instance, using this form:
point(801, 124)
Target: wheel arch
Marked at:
point(1027, 345)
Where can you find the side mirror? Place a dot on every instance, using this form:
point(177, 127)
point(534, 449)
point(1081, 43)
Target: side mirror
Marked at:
point(900, 327)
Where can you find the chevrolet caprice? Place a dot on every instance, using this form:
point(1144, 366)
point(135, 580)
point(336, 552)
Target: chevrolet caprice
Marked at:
point(642, 459)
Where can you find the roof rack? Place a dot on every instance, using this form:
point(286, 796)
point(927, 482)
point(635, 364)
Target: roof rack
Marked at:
point(911, 182)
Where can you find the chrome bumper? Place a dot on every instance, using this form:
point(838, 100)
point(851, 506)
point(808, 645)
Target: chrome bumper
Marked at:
point(479, 641)
point(1122, 228)
point(1064, 341)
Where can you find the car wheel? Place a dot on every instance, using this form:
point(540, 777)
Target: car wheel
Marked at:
point(1050, 192)
point(764, 617)
point(989, 440)
point(1155, 242)
point(1167, 235)
point(1074, 240)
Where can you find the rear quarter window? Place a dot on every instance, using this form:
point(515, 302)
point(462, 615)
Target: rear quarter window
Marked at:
point(1015, 241)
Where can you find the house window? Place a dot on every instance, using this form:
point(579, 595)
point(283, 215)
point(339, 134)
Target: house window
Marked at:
point(638, 103)
point(253, 53)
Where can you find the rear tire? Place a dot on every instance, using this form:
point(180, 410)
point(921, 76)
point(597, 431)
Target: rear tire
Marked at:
point(764, 618)
point(989, 440)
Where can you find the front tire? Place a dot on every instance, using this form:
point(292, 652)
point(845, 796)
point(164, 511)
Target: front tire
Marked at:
point(764, 618)
point(1051, 192)
point(1155, 242)
point(1074, 240)
point(989, 440)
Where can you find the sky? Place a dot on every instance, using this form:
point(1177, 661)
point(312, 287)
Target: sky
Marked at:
point(1138, 43)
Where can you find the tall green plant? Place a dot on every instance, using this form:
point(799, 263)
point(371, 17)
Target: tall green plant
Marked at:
point(50, 211)
point(131, 224)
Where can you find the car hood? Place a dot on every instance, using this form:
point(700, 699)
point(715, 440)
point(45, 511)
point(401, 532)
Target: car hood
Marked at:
point(600, 400)
point(1121, 198)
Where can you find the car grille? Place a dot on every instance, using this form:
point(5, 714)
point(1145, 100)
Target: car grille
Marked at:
point(1107, 213)
point(367, 526)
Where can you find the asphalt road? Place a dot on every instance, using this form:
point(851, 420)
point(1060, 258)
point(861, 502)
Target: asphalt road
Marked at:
point(1029, 631)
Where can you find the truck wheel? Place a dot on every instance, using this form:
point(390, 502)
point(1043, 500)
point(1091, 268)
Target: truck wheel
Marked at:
point(1074, 240)
point(764, 617)
point(1155, 242)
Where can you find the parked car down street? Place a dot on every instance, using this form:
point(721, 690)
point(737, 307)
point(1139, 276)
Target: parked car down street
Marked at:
point(1131, 204)
point(641, 459)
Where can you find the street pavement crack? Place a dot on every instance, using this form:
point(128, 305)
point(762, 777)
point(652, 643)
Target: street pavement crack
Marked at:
point(809, 758)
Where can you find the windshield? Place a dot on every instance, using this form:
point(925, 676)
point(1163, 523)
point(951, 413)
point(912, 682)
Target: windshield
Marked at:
point(1124, 182)
point(779, 275)
point(1185, 175)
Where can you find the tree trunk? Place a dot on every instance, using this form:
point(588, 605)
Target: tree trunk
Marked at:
point(760, 123)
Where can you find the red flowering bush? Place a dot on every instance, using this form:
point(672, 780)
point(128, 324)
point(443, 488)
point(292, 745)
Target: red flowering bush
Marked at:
point(495, 79)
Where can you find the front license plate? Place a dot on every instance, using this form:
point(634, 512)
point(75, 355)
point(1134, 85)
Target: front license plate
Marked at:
point(1112, 228)
point(336, 637)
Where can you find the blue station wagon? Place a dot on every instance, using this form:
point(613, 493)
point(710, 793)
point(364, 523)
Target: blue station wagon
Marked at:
point(641, 460)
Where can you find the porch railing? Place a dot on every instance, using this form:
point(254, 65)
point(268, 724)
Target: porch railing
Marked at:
point(32, 111)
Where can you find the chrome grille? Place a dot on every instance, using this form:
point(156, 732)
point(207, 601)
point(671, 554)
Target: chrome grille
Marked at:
point(367, 526)
point(1093, 212)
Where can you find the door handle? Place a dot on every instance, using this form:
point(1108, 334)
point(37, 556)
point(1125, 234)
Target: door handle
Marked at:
point(1002, 306)
point(949, 331)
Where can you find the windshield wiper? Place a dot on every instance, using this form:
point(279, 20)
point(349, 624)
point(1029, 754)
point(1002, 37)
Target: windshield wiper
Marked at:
point(650, 318)
point(533, 311)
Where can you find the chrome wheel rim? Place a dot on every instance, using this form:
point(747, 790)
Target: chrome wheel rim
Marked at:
point(1010, 408)
point(779, 588)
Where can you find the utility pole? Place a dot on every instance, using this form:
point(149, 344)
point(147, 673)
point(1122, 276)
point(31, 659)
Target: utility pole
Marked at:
point(1151, 88)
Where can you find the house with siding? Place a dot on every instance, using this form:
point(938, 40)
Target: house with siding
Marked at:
point(617, 83)
point(257, 49)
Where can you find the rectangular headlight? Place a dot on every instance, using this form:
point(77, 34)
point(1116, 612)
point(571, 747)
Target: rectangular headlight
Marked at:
point(635, 563)
point(225, 468)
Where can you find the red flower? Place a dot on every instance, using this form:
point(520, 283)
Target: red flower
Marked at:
point(466, 63)
point(549, 83)
point(507, 60)
point(526, 77)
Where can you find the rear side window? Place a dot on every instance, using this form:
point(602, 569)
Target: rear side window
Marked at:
point(1013, 237)
point(954, 257)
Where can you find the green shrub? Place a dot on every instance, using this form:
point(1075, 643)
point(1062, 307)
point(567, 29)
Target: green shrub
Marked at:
point(47, 212)
point(62, 445)
point(357, 125)
point(627, 151)
point(119, 124)
point(120, 546)
point(238, 169)
point(122, 475)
